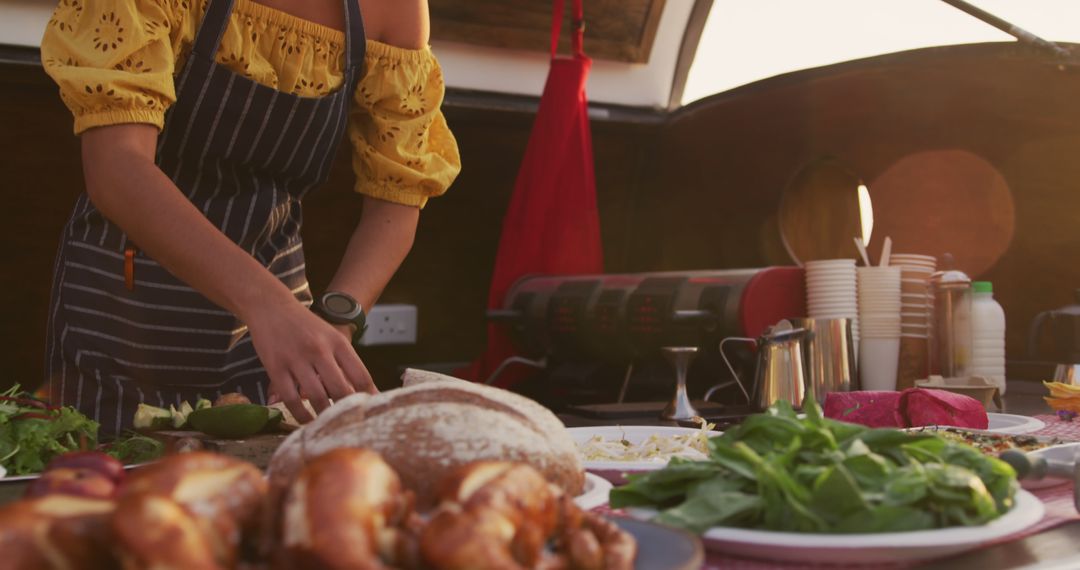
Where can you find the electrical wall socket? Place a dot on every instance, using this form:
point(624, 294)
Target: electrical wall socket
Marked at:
point(390, 324)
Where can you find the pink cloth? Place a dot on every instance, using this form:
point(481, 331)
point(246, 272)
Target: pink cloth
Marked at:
point(923, 407)
point(914, 407)
point(867, 408)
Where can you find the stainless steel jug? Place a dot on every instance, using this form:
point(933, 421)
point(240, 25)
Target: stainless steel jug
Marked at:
point(780, 372)
point(830, 356)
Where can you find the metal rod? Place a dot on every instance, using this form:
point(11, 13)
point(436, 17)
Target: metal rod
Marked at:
point(626, 381)
point(1007, 27)
point(541, 364)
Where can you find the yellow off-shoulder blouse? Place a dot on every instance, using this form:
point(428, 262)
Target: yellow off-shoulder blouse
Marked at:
point(114, 61)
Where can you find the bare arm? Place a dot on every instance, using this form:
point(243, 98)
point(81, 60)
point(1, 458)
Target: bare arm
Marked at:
point(386, 230)
point(379, 244)
point(295, 346)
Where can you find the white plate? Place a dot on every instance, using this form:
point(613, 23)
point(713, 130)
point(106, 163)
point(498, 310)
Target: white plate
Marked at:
point(615, 471)
point(878, 548)
point(594, 494)
point(1012, 423)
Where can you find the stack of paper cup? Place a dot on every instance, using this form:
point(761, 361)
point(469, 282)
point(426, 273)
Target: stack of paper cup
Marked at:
point(915, 316)
point(831, 292)
point(879, 323)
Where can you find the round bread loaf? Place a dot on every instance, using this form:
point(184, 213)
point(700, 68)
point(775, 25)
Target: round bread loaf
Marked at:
point(432, 426)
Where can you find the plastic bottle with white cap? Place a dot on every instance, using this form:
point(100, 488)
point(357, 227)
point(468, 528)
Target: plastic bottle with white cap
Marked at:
point(988, 335)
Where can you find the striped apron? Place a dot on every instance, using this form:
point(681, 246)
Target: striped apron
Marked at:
point(243, 153)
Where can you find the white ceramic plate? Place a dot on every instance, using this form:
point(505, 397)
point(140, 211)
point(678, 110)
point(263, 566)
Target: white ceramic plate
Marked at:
point(879, 548)
point(615, 471)
point(595, 493)
point(1012, 423)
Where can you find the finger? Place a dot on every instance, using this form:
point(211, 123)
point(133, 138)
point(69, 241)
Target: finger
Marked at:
point(355, 372)
point(273, 398)
point(313, 389)
point(332, 379)
point(285, 387)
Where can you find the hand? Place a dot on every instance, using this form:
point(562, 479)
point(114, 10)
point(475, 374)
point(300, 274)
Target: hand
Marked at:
point(304, 354)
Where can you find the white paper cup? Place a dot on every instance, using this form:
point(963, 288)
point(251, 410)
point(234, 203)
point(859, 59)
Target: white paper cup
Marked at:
point(880, 309)
point(830, 273)
point(887, 297)
point(834, 308)
point(836, 313)
point(822, 292)
point(830, 263)
point(914, 256)
point(911, 263)
point(832, 281)
point(878, 359)
point(832, 299)
point(884, 271)
point(877, 328)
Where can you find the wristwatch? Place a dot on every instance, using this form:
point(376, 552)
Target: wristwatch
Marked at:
point(341, 309)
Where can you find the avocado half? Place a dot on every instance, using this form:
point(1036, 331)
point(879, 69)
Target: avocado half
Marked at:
point(232, 421)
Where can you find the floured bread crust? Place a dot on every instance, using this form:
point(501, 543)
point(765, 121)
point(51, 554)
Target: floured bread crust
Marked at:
point(434, 425)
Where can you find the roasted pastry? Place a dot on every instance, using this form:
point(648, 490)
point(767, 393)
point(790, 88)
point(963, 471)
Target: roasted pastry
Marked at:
point(346, 510)
point(499, 515)
point(56, 532)
point(155, 532)
point(186, 510)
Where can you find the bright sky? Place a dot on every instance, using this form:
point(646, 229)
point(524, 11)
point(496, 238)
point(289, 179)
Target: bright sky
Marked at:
point(748, 40)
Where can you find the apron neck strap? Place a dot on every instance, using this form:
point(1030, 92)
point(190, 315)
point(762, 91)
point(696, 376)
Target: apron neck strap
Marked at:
point(576, 34)
point(354, 35)
point(212, 28)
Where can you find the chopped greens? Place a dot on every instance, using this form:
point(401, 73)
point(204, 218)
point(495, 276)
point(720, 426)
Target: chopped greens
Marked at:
point(32, 432)
point(133, 447)
point(778, 472)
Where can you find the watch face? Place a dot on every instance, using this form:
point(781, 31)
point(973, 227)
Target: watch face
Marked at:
point(339, 304)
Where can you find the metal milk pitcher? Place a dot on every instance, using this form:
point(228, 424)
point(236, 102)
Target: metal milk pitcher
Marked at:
point(780, 372)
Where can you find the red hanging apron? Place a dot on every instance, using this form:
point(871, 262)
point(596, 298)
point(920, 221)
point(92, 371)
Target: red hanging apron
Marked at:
point(552, 225)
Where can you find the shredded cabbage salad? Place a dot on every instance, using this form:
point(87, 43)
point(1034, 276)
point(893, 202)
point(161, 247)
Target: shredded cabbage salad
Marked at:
point(656, 448)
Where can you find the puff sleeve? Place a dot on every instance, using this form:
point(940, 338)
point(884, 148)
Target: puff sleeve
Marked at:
point(403, 150)
point(113, 60)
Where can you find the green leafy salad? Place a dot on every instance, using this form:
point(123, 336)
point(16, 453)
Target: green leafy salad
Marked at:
point(778, 472)
point(33, 432)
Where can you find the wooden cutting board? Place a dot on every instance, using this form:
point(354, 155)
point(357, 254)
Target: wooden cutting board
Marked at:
point(257, 449)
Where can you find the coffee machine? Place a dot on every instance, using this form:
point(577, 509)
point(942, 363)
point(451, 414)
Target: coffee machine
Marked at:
point(598, 338)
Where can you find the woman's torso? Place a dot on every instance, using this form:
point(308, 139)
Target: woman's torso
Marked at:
point(244, 152)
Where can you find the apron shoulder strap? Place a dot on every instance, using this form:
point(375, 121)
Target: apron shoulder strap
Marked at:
point(354, 36)
point(212, 27)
